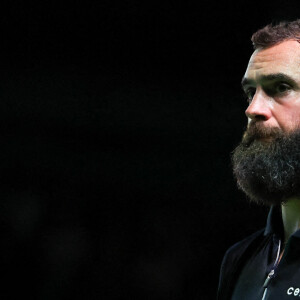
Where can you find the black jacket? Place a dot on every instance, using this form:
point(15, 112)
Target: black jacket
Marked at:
point(259, 249)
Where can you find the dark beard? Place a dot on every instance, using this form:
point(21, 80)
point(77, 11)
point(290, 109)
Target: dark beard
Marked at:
point(266, 164)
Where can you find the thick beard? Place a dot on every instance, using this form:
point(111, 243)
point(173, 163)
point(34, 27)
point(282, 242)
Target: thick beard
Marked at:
point(266, 164)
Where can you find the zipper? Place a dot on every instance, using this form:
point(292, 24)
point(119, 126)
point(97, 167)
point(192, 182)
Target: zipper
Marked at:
point(269, 277)
point(272, 272)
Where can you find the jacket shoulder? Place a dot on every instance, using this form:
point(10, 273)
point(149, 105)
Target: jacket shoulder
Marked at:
point(236, 250)
point(234, 259)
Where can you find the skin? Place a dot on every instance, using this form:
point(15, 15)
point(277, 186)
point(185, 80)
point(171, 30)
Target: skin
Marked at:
point(275, 102)
point(272, 85)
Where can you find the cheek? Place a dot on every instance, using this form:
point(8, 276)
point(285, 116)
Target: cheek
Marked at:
point(287, 111)
point(289, 118)
point(296, 118)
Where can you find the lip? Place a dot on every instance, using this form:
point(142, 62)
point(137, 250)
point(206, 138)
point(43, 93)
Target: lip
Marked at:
point(265, 139)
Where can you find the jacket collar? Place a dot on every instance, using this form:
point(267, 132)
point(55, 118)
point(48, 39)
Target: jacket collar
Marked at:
point(274, 223)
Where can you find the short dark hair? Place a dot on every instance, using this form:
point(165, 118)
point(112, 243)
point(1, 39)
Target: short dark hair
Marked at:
point(273, 34)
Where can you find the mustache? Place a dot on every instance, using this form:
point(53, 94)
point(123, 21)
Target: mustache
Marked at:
point(256, 131)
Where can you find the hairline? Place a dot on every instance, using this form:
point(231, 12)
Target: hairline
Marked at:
point(258, 48)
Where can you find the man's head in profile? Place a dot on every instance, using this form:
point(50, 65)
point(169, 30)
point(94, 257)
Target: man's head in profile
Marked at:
point(267, 162)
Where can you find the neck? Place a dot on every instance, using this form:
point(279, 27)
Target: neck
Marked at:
point(290, 217)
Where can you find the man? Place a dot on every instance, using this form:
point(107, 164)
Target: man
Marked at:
point(266, 165)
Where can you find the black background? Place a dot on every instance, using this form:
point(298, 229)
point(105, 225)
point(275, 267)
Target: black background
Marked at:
point(117, 119)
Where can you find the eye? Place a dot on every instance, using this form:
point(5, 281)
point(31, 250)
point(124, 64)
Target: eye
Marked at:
point(250, 92)
point(282, 88)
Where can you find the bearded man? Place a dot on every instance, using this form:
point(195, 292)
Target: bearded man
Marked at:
point(266, 165)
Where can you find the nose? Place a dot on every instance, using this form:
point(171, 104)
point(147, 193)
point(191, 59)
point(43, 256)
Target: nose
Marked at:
point(259, 109)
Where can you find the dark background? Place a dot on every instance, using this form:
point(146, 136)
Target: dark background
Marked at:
point(117, 119)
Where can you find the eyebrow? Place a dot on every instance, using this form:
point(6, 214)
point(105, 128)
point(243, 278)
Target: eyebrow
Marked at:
point(269, 77)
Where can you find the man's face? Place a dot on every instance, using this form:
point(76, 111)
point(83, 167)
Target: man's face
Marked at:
point(267, 162)
point(272, 84)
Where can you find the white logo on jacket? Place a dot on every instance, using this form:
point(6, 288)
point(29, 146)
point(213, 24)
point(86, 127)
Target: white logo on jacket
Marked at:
point(293, 291)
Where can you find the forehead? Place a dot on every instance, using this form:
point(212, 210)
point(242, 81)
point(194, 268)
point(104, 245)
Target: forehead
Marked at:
point(281, 58)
